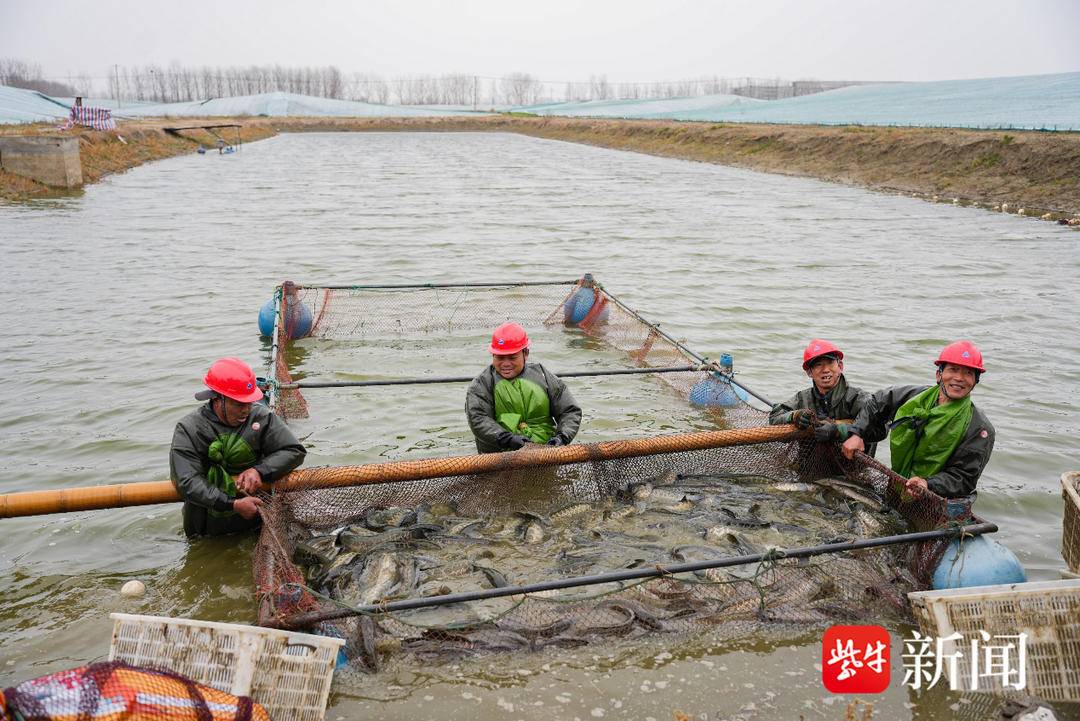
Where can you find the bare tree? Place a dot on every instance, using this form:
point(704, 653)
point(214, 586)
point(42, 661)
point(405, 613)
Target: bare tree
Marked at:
point(381, 92)
point(598, 87)
point(519, 89)
point(183, 83)
point(335, 83)
point(456, 89)
point(21, 74)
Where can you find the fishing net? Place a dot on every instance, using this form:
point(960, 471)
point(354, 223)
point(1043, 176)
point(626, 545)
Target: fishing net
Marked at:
point(342, 538)
point(359, 314)
point(326, 549)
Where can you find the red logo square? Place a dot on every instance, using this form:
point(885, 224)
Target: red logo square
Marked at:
point(855, 659)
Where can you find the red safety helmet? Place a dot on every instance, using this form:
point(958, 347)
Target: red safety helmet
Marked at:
point(961, 353)
point(232, 378)
point(508, 339)
point(818, 348)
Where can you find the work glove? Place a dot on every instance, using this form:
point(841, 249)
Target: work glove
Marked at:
point(557, 440)
point(802, 418)
point(511, 441)
point(826, 431)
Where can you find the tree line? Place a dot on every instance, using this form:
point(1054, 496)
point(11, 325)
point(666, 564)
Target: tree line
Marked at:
point(16, 73)
point(178, 83)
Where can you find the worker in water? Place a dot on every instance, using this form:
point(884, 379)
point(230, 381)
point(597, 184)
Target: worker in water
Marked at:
point(514, 402)
point(939, 439)
point(227, 451)
point(827, 400)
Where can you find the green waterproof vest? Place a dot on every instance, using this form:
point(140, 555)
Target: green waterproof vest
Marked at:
point(229, 455)
point(523, 407)
point(925, 434)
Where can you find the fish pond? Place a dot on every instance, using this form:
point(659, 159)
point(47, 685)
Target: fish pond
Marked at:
point(117, 300)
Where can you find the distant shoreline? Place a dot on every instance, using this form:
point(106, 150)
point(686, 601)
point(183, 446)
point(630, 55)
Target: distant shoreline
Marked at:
point(1030, 171)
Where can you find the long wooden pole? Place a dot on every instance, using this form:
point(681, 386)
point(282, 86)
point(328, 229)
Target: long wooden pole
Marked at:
point(36, 503)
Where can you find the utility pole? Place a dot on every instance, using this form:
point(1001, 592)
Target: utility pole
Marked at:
point(116, 74)
point(475, 92)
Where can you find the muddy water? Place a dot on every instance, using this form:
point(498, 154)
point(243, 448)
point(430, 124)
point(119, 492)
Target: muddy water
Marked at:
point(116, 301)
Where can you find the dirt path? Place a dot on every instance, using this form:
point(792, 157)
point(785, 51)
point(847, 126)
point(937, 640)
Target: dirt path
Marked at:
point(1037, 173)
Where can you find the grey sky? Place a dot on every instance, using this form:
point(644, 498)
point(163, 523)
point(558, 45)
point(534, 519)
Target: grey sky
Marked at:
point(628, 40)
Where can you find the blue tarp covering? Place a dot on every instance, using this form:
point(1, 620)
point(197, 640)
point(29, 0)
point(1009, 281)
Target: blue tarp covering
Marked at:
point(641, 108)
point(1037, 102)
point(28, 106)
point(1040, 102)
point(103, 103)
point(280, 105)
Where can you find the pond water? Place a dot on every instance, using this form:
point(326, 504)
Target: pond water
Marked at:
point(118, 299)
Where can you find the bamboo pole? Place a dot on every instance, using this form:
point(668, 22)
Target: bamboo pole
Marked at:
point(92, 498)
point(532, 456)
point(36, 503)
point(275, 348)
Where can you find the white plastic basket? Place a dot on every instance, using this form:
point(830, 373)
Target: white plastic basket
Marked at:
point(288, 673)
point(1047, 611)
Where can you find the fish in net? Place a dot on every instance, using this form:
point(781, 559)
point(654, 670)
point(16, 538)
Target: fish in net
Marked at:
point(324, 551)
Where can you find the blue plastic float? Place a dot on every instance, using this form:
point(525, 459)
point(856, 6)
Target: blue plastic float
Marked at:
point(577, 307)
point(297, 321)
point(978, 561)
point(717, 391)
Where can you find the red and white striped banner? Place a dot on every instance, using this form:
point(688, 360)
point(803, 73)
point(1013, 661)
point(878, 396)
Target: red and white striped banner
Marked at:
point(96, 118)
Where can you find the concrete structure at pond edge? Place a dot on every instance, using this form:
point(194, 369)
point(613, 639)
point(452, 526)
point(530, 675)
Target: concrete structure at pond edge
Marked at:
point(50, 160)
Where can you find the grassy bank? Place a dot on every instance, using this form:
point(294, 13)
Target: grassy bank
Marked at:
point(104, 153)
point(1036, 172)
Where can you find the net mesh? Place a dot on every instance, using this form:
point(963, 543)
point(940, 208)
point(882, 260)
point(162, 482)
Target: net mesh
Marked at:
point(451, 525)
point(370, 313)
point(323, 549)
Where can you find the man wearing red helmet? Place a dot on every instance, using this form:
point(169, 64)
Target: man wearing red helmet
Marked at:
point(514, 402)
point(939, 439)
point(828, 398)
point(225, 451)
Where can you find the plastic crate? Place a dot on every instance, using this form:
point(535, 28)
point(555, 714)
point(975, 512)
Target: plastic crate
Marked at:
point(1047, 611)
point(288, 673)
point(1070, 532)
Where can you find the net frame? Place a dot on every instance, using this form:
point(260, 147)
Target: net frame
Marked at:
point(344, 312)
